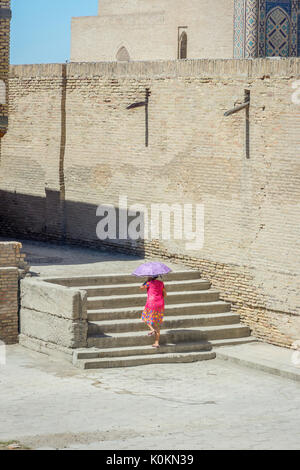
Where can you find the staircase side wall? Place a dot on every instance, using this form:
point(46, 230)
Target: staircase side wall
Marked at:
point(52, 317)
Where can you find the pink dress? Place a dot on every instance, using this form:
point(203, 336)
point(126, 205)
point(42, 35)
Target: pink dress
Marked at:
point(154, 310)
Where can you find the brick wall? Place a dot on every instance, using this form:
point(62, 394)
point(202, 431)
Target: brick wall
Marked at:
point(9, 280)
point(12, 262)
point(4, 62)
point(11, 255)
point(73, 145)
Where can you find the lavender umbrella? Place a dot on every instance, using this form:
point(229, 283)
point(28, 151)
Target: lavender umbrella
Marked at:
point(151, 269)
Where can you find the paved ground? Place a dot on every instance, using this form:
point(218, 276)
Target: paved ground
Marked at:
point(207, 405)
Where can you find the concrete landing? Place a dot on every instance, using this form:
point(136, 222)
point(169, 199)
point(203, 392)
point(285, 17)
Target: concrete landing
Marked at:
point(57, 260)
point(265, 357)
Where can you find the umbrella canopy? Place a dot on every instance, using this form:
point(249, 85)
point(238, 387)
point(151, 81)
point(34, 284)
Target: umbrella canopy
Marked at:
point(151, 269)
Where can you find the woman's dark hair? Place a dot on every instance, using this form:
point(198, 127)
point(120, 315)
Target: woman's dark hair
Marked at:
point(152, 278)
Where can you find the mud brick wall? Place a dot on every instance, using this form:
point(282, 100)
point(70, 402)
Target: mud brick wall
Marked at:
point(73, 145)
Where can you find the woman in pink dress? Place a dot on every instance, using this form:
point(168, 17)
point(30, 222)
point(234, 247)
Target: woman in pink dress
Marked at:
point(153, 314)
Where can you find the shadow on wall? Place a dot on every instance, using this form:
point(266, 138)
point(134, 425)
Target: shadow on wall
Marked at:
point(52, 220)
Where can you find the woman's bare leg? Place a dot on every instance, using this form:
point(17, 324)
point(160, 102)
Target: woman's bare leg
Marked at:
point(150, 328)
point(157, 336)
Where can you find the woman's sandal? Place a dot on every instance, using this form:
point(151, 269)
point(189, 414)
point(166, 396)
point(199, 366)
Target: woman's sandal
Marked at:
point(156, 347)
point(151, 333)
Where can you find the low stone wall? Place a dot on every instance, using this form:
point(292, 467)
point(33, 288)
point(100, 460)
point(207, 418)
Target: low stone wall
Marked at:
point(53, 319)
point(12, 267)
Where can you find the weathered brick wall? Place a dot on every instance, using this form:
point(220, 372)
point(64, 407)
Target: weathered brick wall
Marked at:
point(73, 145)
point(11, 255)
point(9, 281)
point(5, 15)
point(12, 261)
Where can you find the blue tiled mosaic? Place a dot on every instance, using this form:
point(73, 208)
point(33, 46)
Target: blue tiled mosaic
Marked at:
point(267, 28)
point(298, 32)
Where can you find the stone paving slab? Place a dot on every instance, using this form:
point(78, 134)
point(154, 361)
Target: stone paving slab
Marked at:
point(265, 357)
point(46, 403)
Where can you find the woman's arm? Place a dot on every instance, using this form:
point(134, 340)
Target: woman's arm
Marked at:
point(165, 292)
point(145, 286)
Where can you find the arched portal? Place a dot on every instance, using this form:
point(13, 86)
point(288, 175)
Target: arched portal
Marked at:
point(183, 42)
point(123, 55)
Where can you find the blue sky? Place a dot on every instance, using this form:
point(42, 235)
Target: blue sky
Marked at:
point(41, 29)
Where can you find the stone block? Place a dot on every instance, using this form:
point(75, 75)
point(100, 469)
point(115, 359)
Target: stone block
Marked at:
point(53, 329)
point(56, 300)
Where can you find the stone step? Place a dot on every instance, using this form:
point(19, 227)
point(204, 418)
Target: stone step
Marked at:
point(120, 301)
point(108, 279)
point(173, 309)
point(233, 341)
point(157, 358)
point(196, 321)
point(141, 350)
point(208, 333)
point(171, 322)
point(134, 288)
point(95, 353)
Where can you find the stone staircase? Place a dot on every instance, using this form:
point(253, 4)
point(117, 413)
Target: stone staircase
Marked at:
point(196, 321)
